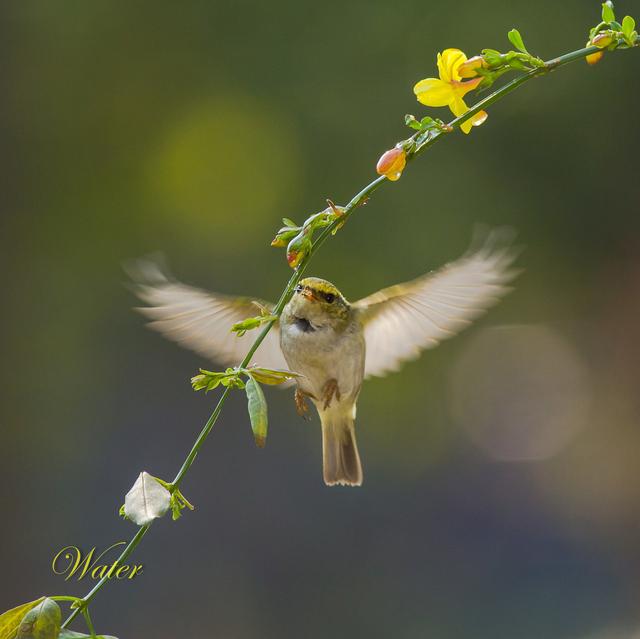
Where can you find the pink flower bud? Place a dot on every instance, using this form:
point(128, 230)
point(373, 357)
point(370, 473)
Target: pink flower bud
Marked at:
point(602, 40)
point(469, 69)
point(392, 163)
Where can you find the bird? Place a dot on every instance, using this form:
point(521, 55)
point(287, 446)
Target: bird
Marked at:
point(332, 344)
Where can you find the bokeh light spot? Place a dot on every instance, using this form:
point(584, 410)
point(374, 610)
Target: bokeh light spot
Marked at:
point(520, 392)
point(229, 163)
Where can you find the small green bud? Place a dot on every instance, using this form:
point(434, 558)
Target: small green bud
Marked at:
point(257, 407)
point(298, 247)
point(284, 235)
point(516, 40)
point(271, 376)
point(608, 15)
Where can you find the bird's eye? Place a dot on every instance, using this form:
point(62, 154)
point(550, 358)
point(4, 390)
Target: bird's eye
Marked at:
point(329, 297)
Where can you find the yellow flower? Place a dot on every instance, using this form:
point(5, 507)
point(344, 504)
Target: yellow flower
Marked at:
point(469, 69)
point(450, 88)
point(602, 40)
point(392, 163)
point(594, 58)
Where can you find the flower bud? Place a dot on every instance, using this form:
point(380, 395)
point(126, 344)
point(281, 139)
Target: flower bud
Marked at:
point(594, 58)
point(392, 163)
point(469, 69)
point(298, 247)
point(602, 40)
point(317, 221)
point(284, 235)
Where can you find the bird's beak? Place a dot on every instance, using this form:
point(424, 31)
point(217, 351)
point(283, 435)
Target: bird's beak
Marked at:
point(308, 294)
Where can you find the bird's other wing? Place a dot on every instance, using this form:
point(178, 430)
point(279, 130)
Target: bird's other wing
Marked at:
point(402, 320)
point(199, 320)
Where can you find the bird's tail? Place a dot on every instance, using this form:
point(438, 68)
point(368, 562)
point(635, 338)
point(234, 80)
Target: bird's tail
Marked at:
point(341, 461)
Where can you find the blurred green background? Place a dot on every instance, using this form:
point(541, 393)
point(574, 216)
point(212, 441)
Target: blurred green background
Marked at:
point(502, 484)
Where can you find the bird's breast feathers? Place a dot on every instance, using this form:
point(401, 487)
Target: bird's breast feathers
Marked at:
point(322, 353)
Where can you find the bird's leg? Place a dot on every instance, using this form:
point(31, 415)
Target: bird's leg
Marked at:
point(301, 402)
point(329, 391)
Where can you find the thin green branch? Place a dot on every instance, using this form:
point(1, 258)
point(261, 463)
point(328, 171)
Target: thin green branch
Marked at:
point(432, 137)
point(284, 298)
point(87, 618)
point(423, 141)
point(65, 598)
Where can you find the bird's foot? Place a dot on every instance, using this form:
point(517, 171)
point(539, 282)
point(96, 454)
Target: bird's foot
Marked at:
point(329, 391)
point(301, 403)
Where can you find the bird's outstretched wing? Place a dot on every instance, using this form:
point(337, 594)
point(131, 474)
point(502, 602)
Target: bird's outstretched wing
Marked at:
point(200, 320)
point(402, 320)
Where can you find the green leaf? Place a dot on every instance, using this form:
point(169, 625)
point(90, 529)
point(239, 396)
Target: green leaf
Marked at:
point(284, 235)
point(232, 381)
point(271, 376)
point(426, 124)
point(10, 620)
point(492, 57)
point(207, 380)
point(147, 500)
point(70, 634)
point(257, 405)
point(410, 121)
point(628, 25)
point(518, 64)
point(253, 322)
point(516, 40)
point(178, 503)
point(41, 622)
point(608, 14)
point(317, 221)
point(246, 325)
point(212, 383)
point(290, 223)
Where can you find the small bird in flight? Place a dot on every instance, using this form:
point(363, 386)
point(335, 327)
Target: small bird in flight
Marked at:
point(332, 343)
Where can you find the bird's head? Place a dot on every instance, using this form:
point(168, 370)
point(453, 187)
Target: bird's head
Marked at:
point(317, 299)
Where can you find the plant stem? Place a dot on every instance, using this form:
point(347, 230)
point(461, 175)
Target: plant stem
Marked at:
point(64, 598)
point(87, 618)
point(549, 66)
point(358, 200)
point(284, 298)
point(204, 433)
